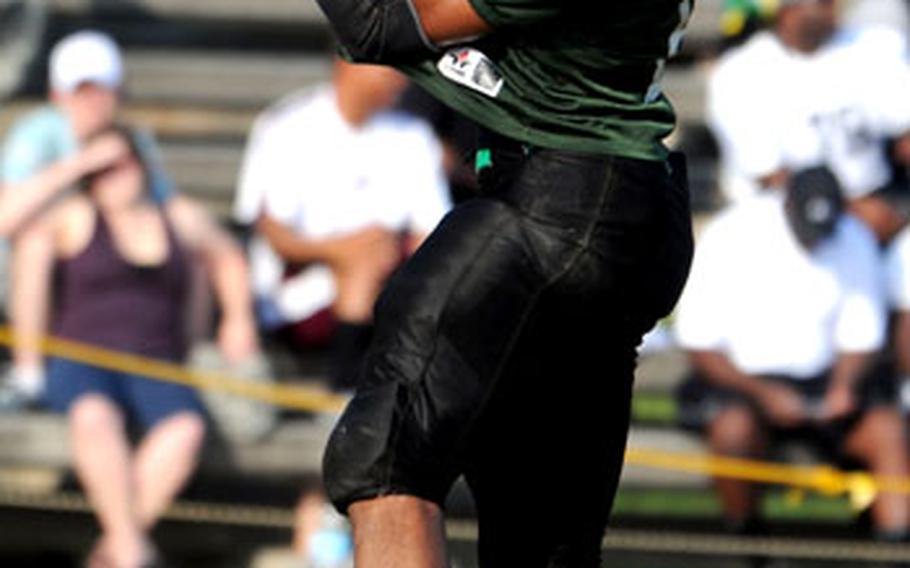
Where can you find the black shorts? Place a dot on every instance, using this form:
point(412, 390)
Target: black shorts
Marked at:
point(504, 351)
point(700, 402)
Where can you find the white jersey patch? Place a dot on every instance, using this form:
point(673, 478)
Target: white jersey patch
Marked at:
point(472, 69)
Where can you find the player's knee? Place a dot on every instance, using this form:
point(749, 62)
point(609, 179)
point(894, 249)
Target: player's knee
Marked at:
point(356, 460)
point(381, 446)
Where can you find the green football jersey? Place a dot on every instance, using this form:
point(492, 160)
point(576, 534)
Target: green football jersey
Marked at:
point(579, 75)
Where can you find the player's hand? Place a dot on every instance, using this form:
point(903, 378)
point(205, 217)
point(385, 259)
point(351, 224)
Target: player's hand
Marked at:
point(102, 152)
point(237, 339)
point(782, 405)
point(840, 402)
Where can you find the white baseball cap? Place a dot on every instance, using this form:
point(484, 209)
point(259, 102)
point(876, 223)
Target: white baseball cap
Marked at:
point(86, 57)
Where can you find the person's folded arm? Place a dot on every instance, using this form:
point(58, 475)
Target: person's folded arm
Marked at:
point(841, 397)
point(716, 368)
point(291, 246)
point(20, 202)
point(23, 201)
point(228, 273)
point(780, 403)
point(32, 269)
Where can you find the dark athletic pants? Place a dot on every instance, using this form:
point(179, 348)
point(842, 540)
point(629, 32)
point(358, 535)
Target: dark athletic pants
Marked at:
point(504, 350)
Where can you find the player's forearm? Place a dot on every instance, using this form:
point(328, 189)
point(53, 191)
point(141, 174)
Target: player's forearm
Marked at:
point(717, 368)
point(401, 31)
point(378, 31)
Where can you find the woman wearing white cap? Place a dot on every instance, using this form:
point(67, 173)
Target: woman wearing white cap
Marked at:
point(48, 145)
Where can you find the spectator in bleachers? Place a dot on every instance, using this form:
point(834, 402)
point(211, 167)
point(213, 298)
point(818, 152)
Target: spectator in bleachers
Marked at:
point(48, 146)
point(805, 93)
point(898, 266)
point(340, 189)
point(739, 19)
point(110, 266)
point(783, 317)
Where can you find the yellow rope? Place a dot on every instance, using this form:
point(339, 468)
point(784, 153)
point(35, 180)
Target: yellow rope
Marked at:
point(862, 488)
point(290, 397)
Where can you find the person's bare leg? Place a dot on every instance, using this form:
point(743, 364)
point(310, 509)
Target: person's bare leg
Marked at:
point(307, 517)
point(164, 461)
point(735, 432)
point(101, 457)
point(398, 532)
point(879, 441)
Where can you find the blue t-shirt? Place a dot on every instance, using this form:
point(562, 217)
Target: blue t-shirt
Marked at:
point(44, 136)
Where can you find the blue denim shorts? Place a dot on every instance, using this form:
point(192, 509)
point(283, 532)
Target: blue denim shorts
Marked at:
point(145, 402)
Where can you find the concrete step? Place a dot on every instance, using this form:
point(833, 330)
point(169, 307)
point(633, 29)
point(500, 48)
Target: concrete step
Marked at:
point(246, 79)
point(22, 25)
point(300, 11)
point(704, 24)
point(686, 87)
point(180, 121)
point(37, 442)
point(206, 171)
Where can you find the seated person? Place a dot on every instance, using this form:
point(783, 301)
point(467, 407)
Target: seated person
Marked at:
point(340, 189)
point(783, 316)
point(802, 93)
point(898, 266)
point(46, 146)
point(110, 267)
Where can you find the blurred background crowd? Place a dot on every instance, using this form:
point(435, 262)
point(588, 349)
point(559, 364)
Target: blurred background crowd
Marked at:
point(206, 184)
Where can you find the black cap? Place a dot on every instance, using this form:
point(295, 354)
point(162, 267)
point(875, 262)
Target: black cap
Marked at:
point(814, 204)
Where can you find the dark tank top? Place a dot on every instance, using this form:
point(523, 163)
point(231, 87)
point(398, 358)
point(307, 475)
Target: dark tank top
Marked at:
point(102, 299)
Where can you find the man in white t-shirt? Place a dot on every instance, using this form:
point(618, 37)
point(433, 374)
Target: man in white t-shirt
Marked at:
point(340, 189)
point(803, 94)
point(783, 324)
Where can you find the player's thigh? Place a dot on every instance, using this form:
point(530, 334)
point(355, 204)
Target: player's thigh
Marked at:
point(443, 327)
point(545, 457)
